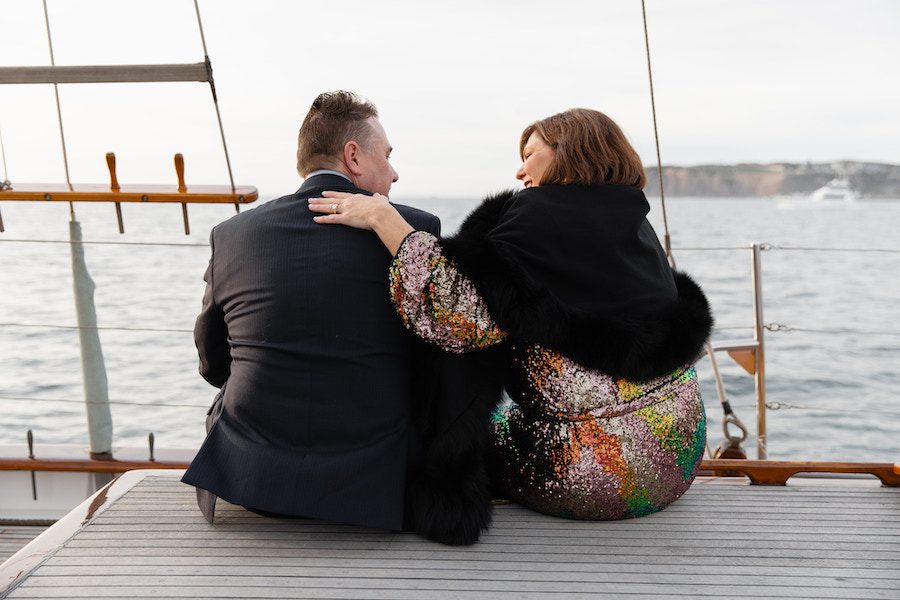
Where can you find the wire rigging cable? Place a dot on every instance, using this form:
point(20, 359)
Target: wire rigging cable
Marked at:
point(201, 71)
point(119, 402)
point(212, 87)
point(98, 328)
point(110, 243)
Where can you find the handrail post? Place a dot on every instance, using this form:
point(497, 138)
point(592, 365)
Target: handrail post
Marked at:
point(758, 333)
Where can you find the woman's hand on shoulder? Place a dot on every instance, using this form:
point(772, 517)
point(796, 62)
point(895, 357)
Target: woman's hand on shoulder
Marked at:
point(354, 210)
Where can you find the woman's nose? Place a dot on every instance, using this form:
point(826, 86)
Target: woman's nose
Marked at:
point(520, 174)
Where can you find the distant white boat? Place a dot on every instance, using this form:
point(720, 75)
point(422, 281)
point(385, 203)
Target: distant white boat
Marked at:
point(836, 190)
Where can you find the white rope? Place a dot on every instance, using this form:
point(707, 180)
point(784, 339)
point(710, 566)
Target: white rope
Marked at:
point(62, 135)
point(662, 194)
point(200, 24)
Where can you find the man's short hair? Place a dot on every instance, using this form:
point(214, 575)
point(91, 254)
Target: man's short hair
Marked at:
point(588, 147)
point(334, 119)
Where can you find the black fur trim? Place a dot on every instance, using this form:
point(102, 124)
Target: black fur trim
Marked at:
point(451, 503)
point(450, 493)
point(635, 347)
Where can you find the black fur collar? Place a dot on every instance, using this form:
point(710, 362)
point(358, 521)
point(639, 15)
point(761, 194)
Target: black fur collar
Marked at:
point(631, 345)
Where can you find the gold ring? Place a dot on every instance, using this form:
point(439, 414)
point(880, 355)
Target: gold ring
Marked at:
point(334, 209)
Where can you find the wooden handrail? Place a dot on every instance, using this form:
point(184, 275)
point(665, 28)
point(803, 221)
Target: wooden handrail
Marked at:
point(773, 472)
point(760, 472)
point(86, 465)
point(87, 192)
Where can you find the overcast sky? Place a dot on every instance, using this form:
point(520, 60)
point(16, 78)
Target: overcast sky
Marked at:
point(455, 82)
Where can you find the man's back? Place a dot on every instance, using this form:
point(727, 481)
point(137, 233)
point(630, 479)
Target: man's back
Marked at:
point(298, 326)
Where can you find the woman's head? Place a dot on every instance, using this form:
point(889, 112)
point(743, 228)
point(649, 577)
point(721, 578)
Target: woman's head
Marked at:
point(581, 146)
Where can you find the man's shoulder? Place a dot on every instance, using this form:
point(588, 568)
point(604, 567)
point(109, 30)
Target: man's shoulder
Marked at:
point(416, 217)
point(251, 215)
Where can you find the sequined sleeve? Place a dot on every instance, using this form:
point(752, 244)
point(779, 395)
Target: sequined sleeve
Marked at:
point(436, 301)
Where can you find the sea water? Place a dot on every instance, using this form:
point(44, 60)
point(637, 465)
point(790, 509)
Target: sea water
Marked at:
point(833, 374)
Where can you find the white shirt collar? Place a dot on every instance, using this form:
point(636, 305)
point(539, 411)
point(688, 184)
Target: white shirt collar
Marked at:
point(328, 172)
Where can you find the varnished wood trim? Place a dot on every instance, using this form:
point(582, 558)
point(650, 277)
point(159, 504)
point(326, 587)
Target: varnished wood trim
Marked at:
point(86, 465)
point(198, 194)
point(772, 472)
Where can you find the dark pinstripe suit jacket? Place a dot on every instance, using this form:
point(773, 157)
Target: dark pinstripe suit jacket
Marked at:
point(297, 328)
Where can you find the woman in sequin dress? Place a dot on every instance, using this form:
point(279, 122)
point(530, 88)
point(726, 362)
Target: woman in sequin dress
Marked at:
point(599, 335)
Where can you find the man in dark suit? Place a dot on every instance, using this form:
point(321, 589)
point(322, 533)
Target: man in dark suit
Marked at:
point(297, 329)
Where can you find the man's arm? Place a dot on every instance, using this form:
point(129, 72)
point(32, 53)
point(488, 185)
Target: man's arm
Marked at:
point(211, 333)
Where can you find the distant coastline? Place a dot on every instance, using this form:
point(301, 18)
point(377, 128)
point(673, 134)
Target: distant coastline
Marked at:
point(871, 180)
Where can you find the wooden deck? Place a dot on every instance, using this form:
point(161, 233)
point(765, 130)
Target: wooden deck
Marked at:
point(14, 537)
point(815, 538)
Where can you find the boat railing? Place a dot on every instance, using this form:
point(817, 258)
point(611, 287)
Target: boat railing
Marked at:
point(748, 353)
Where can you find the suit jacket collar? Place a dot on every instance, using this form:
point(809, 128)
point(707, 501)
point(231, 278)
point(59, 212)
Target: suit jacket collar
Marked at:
point(326, 181)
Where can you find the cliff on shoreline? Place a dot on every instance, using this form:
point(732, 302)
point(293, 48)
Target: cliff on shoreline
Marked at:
point(873, 180)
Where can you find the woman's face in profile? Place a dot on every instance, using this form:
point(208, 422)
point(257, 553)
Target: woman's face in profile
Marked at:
point(537, 156)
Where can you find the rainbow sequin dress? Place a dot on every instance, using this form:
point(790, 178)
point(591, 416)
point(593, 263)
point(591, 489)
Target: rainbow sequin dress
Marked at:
point(574, 442)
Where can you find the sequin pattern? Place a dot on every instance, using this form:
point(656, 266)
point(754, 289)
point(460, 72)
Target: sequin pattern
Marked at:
point(582, 445)
point(574, 443)
point(436, 301)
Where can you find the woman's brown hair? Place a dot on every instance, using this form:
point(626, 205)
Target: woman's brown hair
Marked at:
point(589, 148)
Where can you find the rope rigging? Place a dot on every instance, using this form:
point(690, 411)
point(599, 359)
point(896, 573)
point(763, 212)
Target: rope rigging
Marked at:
point(70, 192)
point(732, 447)
point(667, 242)
point(62, 134)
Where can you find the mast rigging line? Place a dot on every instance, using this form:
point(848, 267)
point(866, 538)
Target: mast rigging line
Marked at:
point(62, 134)
point(667, 240)
point(122, 74)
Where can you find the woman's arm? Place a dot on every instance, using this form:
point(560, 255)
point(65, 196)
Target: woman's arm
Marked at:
point(363, 212)
point(436, 301)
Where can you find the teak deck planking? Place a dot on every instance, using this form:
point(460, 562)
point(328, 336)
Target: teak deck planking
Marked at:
point(816, 538)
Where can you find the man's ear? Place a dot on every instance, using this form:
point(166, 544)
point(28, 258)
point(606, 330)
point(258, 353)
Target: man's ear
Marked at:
point(351, 158)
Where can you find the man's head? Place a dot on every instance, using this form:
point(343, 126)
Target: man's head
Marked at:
point(341, 132)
